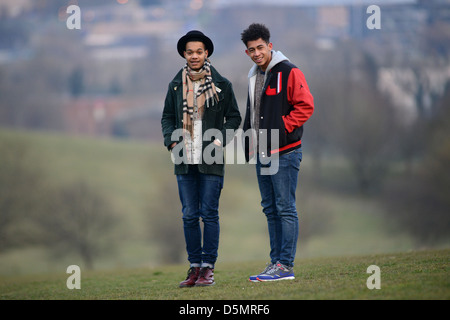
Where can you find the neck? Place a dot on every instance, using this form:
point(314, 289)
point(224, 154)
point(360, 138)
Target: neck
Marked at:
point(264, 67)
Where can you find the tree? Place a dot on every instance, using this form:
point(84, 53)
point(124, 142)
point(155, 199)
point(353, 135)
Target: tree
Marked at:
point(20, 182)
point(368, 126)
point(165, 224)
point(78, 220)
point(419, 202)
point(76, 82)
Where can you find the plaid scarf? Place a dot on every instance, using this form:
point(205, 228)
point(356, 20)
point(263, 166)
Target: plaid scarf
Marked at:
point(206, 94)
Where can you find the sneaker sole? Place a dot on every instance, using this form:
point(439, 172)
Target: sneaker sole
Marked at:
point(276, 279)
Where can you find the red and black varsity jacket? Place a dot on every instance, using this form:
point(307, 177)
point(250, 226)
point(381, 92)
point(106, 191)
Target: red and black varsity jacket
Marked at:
point(286, 104)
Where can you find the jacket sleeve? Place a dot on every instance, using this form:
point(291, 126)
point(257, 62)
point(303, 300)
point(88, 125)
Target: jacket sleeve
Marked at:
point(300, 98)
point(168, 120)
point(232, 115)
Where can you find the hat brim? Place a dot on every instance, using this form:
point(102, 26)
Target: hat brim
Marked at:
point(181, 45)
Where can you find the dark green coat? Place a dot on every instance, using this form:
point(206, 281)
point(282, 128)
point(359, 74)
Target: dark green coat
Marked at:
point(222, 116)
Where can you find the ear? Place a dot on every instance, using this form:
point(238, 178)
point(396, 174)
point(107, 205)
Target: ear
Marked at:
point(207, 54)
point(248, 53)
point(270, 46)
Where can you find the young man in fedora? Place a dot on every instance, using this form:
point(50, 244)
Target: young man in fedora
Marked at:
point(199, 110)
point(278, 100)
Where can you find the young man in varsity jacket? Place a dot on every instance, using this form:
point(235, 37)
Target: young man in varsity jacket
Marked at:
point(278, 99)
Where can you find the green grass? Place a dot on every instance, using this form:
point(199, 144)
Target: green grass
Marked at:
point(418, 275)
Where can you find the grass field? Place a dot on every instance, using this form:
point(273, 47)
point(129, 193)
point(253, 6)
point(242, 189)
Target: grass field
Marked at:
point(419, 275)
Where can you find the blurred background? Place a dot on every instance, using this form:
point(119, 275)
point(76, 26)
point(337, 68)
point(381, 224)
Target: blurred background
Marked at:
point(85, 178)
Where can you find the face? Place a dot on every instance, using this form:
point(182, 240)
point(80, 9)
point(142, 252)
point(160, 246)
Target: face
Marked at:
point(260, 52)
point(195, 54)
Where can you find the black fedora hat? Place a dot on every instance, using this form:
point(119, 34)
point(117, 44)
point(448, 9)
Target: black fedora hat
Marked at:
point(195, 35)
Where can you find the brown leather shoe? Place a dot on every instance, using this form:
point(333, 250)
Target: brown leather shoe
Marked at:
point(205, 277)
point(191, 278)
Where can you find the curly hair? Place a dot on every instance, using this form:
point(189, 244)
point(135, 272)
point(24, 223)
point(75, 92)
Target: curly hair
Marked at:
point(254, 32)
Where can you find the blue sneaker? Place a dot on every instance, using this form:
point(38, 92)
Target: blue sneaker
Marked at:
point(255, 277)
point(277, 272)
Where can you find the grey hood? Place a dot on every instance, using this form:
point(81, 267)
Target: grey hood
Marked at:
point(277, 57)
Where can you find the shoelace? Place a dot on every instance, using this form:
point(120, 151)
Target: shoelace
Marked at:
point(273, 269)
point(276, 267)
point(268, 267)
point(203, 271)
point(190, 271)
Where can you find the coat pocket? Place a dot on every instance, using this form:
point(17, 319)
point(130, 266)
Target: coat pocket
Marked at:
point(218, 105)
point(275, 87)
point(282, 132)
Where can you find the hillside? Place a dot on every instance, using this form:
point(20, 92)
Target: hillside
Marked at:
point(136, 178)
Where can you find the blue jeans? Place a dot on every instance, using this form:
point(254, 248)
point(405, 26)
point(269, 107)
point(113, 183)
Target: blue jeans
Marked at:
point(199, 195)
point(278, 202)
